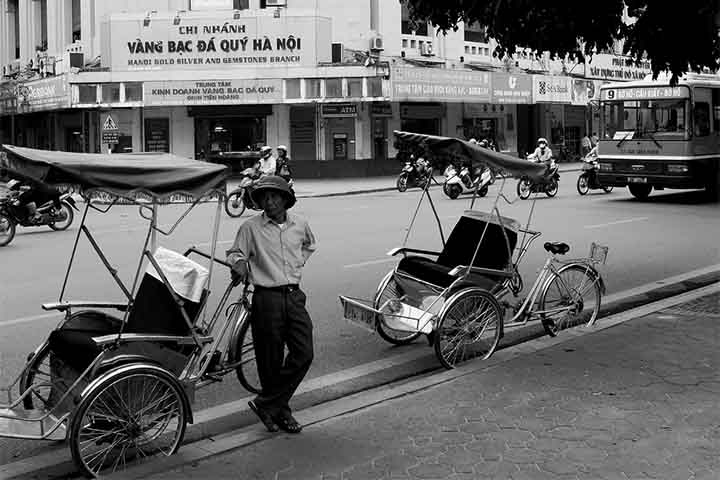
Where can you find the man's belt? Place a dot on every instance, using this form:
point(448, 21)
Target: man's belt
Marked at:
point(280, 288)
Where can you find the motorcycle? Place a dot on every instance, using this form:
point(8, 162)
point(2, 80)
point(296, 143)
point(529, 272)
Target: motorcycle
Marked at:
point(56, 214)
point(239, 199)
point(457, 183)
point(588, 179)
point(549, 185)
point(414, 174)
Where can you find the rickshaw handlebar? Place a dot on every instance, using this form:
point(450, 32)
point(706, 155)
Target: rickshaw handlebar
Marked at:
point(203, 254)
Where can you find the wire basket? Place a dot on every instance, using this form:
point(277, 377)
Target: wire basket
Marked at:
point(598, 253)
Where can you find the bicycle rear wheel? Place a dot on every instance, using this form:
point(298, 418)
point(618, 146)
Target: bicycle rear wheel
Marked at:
point(247, 371)
point(570, 298)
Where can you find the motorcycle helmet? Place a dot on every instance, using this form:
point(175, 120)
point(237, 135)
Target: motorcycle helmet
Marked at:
point(265, 151)
point(472, 140)
point(281, 147)
point(483, 143)
point(542, 140)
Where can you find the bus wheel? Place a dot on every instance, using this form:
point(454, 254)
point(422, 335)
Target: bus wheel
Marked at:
point(641, 192)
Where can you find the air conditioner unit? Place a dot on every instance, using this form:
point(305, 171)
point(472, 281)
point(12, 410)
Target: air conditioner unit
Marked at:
point(426, 50)
point(276, 3)
point(376, 44)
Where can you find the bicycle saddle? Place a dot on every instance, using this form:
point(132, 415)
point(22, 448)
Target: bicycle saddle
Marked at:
point(557, 248)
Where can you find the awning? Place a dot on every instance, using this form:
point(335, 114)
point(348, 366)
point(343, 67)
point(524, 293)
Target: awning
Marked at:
point(156, 176)
point(424, 61)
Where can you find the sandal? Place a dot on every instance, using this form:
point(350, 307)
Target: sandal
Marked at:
point(264, 417)
point(288, 423)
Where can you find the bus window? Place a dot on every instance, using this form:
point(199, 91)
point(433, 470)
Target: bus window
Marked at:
point(701, 119)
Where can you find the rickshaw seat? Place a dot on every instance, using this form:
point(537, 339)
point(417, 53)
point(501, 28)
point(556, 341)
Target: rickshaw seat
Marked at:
point(495, 253)
point(154, 311)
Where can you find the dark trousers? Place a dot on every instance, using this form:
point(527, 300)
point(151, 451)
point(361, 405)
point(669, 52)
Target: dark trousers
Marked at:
point(279, 319)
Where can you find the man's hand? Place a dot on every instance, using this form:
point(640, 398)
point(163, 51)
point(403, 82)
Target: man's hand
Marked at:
point(239, 272)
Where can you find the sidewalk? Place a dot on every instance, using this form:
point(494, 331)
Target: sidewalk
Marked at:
point(328, 187)
point(636, 400)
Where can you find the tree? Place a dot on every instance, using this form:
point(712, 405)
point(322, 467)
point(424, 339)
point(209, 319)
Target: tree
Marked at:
point(675, 36)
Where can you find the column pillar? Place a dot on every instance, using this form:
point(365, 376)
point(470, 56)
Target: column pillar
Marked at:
point(87, 27)
point(5, 46)
point(27, 47)
point(60, 27)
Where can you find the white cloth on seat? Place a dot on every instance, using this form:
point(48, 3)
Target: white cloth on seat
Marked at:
point(187, 278)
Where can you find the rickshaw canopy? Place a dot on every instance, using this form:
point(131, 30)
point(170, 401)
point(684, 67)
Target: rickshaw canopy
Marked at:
point(444, 146)
point(155, 175)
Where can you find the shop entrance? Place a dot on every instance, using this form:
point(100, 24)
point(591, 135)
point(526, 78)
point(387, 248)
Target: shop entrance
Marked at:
point(380, 144)
point(340, 138)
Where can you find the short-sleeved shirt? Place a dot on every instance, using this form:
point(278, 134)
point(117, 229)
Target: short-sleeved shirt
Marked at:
point(275, 253)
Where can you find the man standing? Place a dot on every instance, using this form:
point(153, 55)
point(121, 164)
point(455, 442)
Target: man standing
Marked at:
point(271, 249)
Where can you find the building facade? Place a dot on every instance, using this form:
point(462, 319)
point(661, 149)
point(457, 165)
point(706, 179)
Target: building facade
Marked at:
point(215, 79)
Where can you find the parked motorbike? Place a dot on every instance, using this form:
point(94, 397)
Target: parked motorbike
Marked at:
point(588, 179)
point(239, 199)
point(548, 185)
point(457, 183)
point(415, 173)
point(56, 214)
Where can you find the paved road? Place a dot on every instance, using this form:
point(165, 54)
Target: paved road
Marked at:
point(669, 234)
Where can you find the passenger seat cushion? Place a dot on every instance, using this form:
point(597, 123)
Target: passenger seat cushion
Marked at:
point(73, 342)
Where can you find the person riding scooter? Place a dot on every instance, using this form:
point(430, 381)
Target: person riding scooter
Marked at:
point(33, 193)
point(267, 163)
point(282, 167)
point(543, 154)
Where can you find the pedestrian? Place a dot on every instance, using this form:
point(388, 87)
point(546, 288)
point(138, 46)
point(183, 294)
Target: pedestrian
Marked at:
point(594, 140)
point(269, 252)
point(282, 163)
point(586, 145)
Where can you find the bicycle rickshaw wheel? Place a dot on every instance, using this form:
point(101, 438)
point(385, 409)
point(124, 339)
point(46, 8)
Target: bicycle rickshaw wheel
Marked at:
point(65, 224)
point(571, 291)
point(128, 415)
point(469, 328)
point(234, 204)
point(7, 230)
point(247, 371)
point(37, 373)
point(396, 337)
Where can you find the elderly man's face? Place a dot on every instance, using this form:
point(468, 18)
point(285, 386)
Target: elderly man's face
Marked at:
point(272, 202)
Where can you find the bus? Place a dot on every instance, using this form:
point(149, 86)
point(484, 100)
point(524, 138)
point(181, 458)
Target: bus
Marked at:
point(657, 136)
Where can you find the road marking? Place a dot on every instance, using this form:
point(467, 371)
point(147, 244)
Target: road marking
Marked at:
point(370, 262)
point(629, 220)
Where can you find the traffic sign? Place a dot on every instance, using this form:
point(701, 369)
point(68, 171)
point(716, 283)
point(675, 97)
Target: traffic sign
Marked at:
point(110, 137)
point(110, 124)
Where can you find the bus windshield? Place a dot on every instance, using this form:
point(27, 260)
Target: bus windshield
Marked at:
point(644, 119)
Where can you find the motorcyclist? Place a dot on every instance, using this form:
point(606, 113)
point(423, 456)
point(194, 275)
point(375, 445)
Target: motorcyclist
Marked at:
point(282, 167)
point(33, 193)
point(267, 163)
point(543, 154)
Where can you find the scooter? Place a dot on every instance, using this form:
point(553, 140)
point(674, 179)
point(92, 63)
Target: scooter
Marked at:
point(549, 185)
point(415, 173)
point(239, 199)
point(588, 179)
point(457, 183)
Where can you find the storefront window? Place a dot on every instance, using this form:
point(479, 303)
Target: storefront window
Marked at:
point(312, 88)
point(87, 93)
point(375, 87)
point(333, 87)
point(292, 88)
point(133, 92)
point(111, 92)
point(354, 87)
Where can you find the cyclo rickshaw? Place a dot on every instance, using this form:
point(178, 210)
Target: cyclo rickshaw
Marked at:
point(464, 296)
point(117, 379)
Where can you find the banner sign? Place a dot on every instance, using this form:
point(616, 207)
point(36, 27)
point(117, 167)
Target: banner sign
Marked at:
point(213, 92)
point(614, 67)
point(511, 88)
point(190, 42)
point(441, 85)
point(642, 93)
point(38, 95)
point(551, 89)
point(582, 91)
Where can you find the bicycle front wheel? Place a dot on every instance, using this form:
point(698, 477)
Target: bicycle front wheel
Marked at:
point(247, 371)
point(570, 298)
point(470, 327)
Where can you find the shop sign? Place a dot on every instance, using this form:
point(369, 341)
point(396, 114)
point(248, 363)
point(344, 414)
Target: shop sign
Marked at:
point(615, 67)
point(582, 91)
point(339, 110)
point(511, 88)
point(8, 100)
point(475, 110)
point(440, 85)
point(641, 93)
point(212, 92)
point(547, 88)
point(45, 94)
point(216, 42)
point(381, 109)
